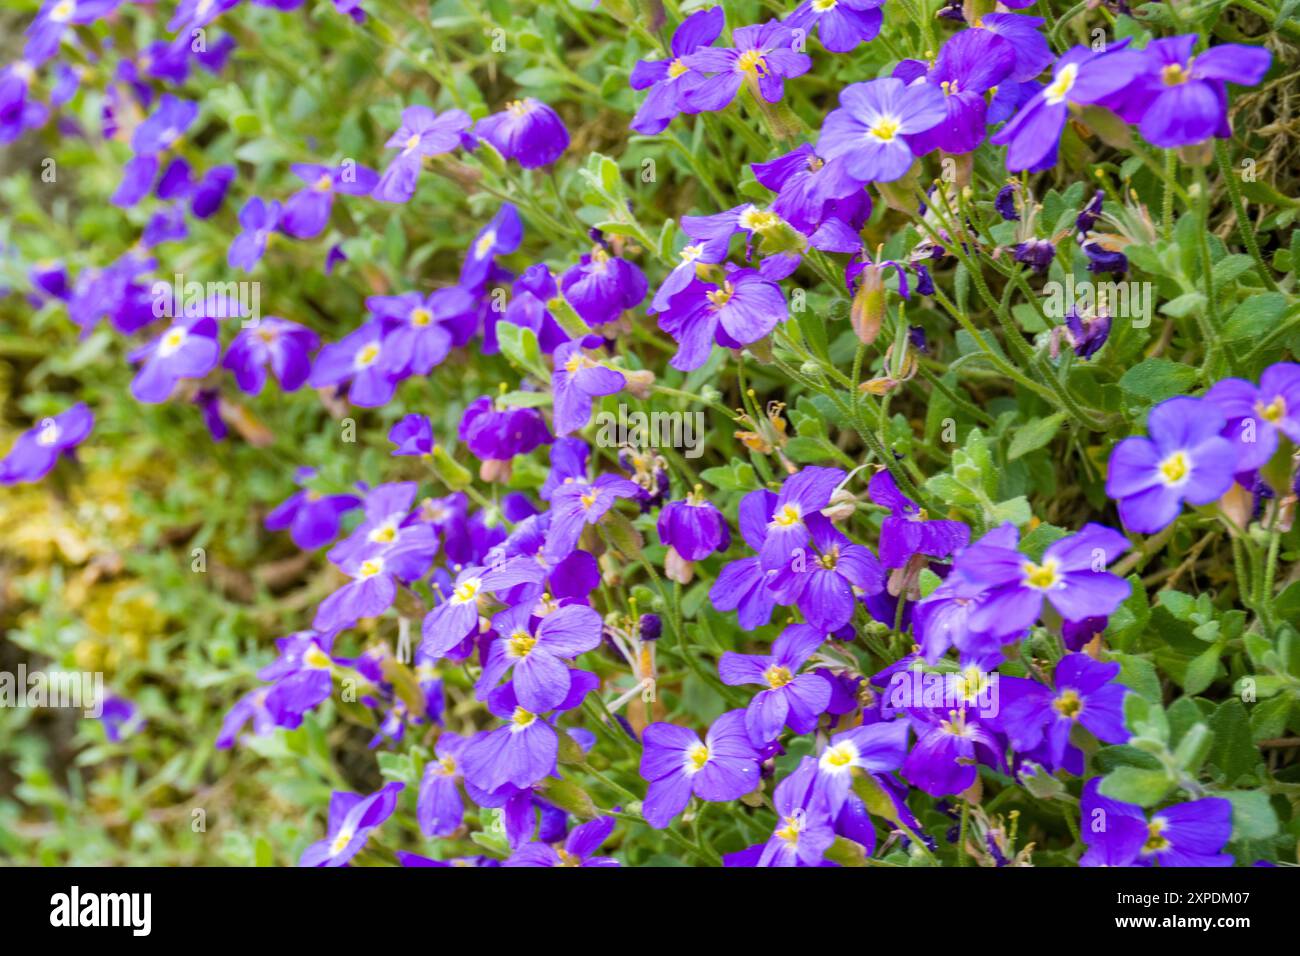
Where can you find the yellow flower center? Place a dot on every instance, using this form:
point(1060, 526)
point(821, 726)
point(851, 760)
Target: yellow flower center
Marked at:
point(1156, 840)
point(821, 6)
point(412, 142)
point(324, 184)
point(759, 220)
point(1069, 704)
point(520, 643)
point(522, 718)
point(316, 658)
point(421, 317)
point(698, 756)
point(751, 61)
point(1175, 74)
point(517, 107)
point(720, 297)
point(777, 676)
point(788, 516)
point(467, 591)
point(676, 69)
point(370, 568)
point(385, 534)
point(1060, 87)
point(1175, 468)
point(341, 842)
point(588, 499)
point(62, 12)
point(839, 756)
point(368, 354)
point(1274, 411)
point(1041, 576)
point(173, 340)
point(885, 128)
point(790, 831)
point(485, 243)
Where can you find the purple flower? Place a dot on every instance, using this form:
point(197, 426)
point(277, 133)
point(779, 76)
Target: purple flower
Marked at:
point(907, 532)
point(693, 527)
point(1021, 33)
point(801, 498)
point(500, 237)
point(578, 379)
point(188, 349)
point(743, 585)
point(948, 750)
point(1186, 834)
point(1072, 576)
point(870, 130)
point(535, 653)
point(121, 718)
point(825, 584)
point(311, 517)
point(192, 14)
point(303, 676)
point(422, 133)
point(677, 765)
point(210, 191)
point(581, 843)
point(526, 130)
point(670, 80)
point(943, 620)
point(1256, 415)
point(285, 346)
point(576, 505)
point(1086, 334)
point(601, 287)
point(1181, 97)
point(38, 449)
point(439, 809)
point(307, 211)
point(259, 221)
point(351, 820)
point(788, 698)
point(18, 111)
point(841, 24)
point(164, 127)
point(524, 750)
point(810, 190)
point(46, 31)
point(1186, 458)
point(418, 328)
point(871, 748)
point(1033, 715)
point(497, 433)
point(804, 830)
point(456, 616)
point(358, 357)
point(764, 56)
point(744, 309)
point(1081, 76)
point(413, 435)
point(969, 64)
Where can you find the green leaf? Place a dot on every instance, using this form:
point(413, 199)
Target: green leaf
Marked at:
point(1146, 788)
point(1234, 753)
point(1201, 670)
point(1156, 379)
point(1034, 435)
point(1252, 815)
point(1254, 317)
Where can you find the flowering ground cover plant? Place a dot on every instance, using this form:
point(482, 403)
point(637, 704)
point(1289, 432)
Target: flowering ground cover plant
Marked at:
point(839, 433)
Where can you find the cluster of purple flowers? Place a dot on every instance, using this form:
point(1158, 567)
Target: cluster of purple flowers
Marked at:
point(504, 589)
point(1197, 448)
